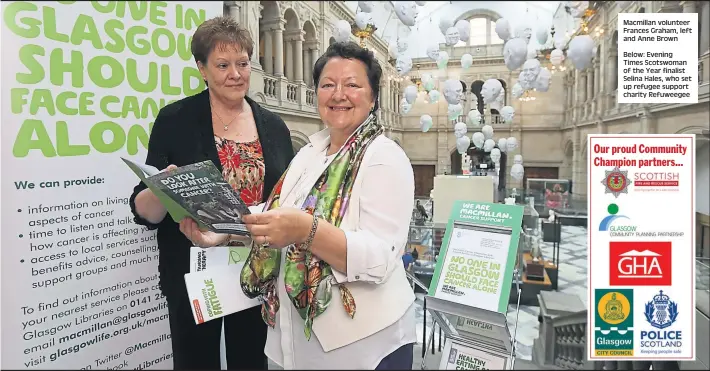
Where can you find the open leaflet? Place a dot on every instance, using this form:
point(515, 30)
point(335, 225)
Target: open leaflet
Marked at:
point(196, 191)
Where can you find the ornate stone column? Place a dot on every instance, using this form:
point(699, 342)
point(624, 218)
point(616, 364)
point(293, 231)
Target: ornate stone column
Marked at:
point(288, 46)
point(688, 6)
point(704, 31)
point(597, 87)
point(279, 52)
point(582, 86)
point(590, 91)
point(648, 122)
point(298, 56)
point(268, 51)
point(308, 61)
point(611, 77)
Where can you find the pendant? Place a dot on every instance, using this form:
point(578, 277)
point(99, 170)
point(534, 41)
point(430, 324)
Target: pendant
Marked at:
point(226, 127)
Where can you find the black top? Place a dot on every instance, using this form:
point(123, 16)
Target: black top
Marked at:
point(182, 135)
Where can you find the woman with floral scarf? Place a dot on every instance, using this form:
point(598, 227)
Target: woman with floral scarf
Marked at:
point(326, 257)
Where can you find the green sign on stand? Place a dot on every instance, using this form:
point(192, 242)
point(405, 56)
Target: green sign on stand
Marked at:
point(477, 257)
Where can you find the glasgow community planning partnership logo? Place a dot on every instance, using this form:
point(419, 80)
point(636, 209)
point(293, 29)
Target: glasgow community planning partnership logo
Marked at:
point(618, 225)
point(616, 181)
point(614, 323)
point(661, 313)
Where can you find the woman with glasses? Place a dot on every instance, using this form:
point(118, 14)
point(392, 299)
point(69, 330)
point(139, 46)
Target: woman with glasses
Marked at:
point(252, 147)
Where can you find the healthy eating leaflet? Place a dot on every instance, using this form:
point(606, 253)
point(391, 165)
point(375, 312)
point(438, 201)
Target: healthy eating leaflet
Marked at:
point(196, 191)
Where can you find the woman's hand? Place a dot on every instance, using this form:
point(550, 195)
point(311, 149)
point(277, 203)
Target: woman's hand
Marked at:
point(201, 238)
point(279, 227)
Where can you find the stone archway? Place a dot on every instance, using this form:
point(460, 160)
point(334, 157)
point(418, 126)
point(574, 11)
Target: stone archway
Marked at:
point(298, 140)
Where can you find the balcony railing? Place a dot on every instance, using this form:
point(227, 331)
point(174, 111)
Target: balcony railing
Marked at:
point(292, 92)
point(271, 87)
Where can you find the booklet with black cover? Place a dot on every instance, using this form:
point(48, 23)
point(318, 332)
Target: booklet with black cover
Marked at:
point(196, 191)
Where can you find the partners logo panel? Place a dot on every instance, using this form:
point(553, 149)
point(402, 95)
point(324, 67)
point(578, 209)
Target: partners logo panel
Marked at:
point(658, 336)
point(616, 181)
point(614, 323)
point(640, 263)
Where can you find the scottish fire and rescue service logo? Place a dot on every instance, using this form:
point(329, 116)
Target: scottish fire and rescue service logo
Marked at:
point(661, 312)
point(616, 181)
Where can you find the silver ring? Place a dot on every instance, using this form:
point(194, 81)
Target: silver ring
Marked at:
point(266, 241)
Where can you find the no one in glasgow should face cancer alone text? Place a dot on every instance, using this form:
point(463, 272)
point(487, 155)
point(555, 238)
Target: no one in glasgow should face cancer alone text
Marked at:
point(18, 18)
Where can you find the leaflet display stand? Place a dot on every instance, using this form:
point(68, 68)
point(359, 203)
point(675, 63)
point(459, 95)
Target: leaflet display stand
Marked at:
point(470, 290)
point(473, 329)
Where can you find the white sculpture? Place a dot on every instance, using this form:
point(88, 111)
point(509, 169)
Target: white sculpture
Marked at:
point(466, 61)
point(462, 144)
point(434, 96)
point(433, 51)
point(460, 129)
point(452, 36)
point(442, 59)
point(561, 41)
point(404, 64)
point(392, 50)
point(366, 6)
point(532, 53)
point(426, 122)
point(524, 32)
point(518, 160)
point(490, 90)
point(362, 19)
point(541, 35)
point(474, 117)
point(488, 145)
point(487, 131)
point(515, 52)
point(495, 155)
point(517, 91)
point(557, 56)
point(454, 111)
point(410, 94)
point(402, 45)
point(453, 91)
point(499, 101)
point(512, 144)
point(507, 113)
point(478, 139)
point(444, 23)
point(342, 31)
point(407, 12)
point(542, 82)
point(464, 28)
point(531, 68)
point(517, 171)
point(581, 51)
point(405, 106)
point(503, 29)
point(503, 144)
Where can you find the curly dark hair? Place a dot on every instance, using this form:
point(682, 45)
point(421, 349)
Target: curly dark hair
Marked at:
point(220, 31)
point(351, 50)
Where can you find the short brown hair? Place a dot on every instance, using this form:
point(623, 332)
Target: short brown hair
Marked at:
point(219, 30)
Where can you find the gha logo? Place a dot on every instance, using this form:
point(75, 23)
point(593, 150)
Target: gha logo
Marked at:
point(661, 312)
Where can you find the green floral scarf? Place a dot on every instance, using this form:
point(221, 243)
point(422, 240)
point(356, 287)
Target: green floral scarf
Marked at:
point(308, 279)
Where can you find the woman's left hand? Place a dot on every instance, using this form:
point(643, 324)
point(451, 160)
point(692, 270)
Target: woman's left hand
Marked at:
point(279, 227)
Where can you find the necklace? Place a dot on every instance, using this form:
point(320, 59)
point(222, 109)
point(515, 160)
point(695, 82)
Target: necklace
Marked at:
point(226, 126)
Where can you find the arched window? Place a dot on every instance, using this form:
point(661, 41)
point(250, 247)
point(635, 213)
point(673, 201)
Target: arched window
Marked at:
point(483, 32)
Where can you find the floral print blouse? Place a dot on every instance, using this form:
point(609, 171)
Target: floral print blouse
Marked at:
point(243, 168)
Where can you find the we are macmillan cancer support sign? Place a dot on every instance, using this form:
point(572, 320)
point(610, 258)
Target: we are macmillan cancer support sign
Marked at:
point(82, 83)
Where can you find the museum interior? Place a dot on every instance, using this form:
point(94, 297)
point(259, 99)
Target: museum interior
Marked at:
point(458, 106)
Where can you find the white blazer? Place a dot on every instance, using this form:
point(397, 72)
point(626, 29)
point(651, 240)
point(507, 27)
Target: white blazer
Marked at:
point(376, 226)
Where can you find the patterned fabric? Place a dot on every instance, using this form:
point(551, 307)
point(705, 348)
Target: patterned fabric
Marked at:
point(308, 279)
point(243, 168)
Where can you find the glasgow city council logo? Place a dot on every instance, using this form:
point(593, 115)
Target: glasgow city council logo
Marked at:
point(661, 312)
point(616, 181)
point(614, 323)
